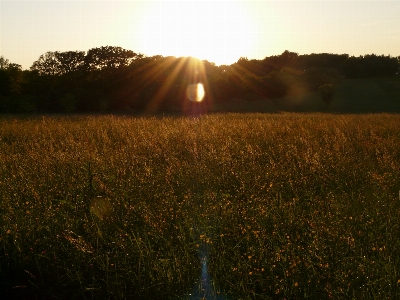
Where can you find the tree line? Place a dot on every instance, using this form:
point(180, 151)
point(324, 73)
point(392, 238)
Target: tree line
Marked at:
point(109, 78)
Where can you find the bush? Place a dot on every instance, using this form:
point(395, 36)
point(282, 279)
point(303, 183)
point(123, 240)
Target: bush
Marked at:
point(327, 92)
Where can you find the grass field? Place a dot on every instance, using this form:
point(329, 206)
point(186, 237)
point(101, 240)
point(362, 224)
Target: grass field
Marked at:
point(224, 206)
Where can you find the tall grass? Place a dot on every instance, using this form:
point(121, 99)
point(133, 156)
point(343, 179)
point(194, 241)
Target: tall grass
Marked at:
point(273, 206)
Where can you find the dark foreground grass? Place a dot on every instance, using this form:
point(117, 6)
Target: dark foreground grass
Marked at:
point(234, 206)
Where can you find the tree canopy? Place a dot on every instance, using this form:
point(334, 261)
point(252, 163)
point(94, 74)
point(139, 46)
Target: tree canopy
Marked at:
point(112, 78)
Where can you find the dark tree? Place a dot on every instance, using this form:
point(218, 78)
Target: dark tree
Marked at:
point(109, 57)
point(71, 61)
point(327, 92)
point(10, 77)
point(47, 64)
point(113, 78)
point(322, 60)
point(288, 59)
point(5, 80)
point(59, 63)
point(317, 76)
point(370, 65)
point(4, 63)
point(12, 98)
point(278, 62)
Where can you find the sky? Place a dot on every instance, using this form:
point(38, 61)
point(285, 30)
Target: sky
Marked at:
point(218, 31)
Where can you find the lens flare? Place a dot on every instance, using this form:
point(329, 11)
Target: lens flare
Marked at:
point(206, 288)
point(195, 92)
point(100, 207)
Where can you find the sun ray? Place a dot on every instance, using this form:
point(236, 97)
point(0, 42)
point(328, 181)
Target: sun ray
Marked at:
point(155, 102)
point(153, 70)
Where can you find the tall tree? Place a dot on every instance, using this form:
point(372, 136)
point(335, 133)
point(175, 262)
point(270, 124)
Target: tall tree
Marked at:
point(10, 84)
point(10, 77)
point(109, 57)
point(47, 64)
point(4, 63)
point(71, 61)
point(59, 63)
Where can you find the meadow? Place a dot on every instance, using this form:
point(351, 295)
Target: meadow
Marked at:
point(222, 206)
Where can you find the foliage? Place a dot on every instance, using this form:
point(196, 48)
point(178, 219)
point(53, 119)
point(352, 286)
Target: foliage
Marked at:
point(370, 65)
point(68, 103)
point(112, 79)
point(10, 78)
point(323, 61)
point(59, 63)
point(327, 92)
point(319, 76)
point(109, 57)
point(282, 206)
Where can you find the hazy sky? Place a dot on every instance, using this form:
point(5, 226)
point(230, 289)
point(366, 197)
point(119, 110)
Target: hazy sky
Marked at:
point(219, 31)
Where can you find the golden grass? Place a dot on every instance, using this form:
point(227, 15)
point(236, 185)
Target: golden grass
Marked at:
point(287, 205)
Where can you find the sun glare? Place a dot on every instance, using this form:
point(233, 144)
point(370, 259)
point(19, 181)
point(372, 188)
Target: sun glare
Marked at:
point(220, 31)
point(195, 92)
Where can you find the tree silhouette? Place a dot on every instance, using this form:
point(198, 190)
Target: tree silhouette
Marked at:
point(71, 61)
point(327, 92)
point(109, 57)
point(59, 63)
point(113, 78)
point(10, 77)
point(47, 64)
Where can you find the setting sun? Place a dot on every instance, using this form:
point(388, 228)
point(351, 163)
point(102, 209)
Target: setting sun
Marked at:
point(220, 32)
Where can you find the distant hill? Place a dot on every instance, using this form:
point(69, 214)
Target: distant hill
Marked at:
point(365, 95)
